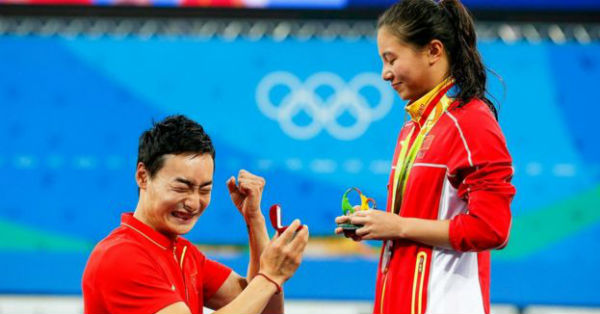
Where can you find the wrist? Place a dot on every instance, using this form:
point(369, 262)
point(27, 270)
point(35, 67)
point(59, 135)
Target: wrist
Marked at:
point(401, 228)
point(255, 219)
point(279, 279)
point(272, 281)
point(257, 233)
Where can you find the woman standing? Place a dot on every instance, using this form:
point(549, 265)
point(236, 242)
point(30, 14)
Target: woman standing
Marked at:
point(449, 191)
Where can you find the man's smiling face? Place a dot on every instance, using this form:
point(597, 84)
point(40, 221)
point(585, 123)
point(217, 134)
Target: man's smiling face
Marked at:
point(177, 194)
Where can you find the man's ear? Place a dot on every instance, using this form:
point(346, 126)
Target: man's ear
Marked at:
point(435, 51)
point(141, 176)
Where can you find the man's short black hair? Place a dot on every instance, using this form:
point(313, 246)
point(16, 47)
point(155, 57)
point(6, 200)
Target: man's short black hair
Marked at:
point(173, 135)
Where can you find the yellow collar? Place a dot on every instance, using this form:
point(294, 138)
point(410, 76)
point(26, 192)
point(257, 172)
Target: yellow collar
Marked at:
point(416, 108)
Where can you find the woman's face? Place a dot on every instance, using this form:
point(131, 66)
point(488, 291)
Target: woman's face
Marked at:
point(404, 66)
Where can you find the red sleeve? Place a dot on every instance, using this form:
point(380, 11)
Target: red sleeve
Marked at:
point(483, 170)
point(130, 282)
point(215, 275)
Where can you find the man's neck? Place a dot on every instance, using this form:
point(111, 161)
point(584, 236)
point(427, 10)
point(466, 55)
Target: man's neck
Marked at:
point(140, 214)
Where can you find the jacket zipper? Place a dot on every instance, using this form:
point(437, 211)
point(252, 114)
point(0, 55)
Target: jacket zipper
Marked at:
point(382, 293)
point(417, 293)
point(181, 267)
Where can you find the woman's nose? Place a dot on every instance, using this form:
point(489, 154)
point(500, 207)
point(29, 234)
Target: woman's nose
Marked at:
point(387, 75)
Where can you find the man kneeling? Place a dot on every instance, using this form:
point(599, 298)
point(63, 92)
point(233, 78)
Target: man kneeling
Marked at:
point(144, 266)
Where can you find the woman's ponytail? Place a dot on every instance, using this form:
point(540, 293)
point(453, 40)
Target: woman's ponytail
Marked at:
point(466, 65)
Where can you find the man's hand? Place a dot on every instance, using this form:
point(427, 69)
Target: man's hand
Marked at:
point(376, 225)
point(284, 253)
point(247, 193)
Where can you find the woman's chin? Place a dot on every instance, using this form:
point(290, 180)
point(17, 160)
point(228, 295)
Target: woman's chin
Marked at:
point(403, 95)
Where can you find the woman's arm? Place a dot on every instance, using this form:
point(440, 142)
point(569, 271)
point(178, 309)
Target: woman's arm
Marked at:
point(380, 225)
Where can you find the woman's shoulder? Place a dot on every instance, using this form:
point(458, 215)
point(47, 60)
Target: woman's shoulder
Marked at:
point(474, 110)
point(474, 119)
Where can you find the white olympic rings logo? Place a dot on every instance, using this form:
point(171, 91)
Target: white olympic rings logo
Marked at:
point(302, 96)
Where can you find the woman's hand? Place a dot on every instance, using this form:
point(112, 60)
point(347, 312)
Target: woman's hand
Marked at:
point(283, 255)
point(376, 225)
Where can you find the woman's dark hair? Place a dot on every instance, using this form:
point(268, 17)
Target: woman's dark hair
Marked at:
point(418, 22)
point(173, 135)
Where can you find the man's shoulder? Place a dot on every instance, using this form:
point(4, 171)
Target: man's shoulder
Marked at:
point(117, 245)
point(119, 237)
point(119, 252)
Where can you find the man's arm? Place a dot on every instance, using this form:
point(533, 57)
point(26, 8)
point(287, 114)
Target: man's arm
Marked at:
point(229, 290)
point(258, 241)
point(253, 299)
point(235, 284)
point(279, 262)
point(246, 195)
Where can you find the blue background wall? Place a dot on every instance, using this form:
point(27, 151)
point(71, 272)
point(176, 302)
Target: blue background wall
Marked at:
point(73, 108)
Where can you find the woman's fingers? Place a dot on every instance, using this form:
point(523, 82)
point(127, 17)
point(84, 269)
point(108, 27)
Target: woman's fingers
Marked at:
point(362, 213)
point(362, 232)
point(342, 219)
point(357, 220)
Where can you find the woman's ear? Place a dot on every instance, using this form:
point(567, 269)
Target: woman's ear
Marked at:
point(435, 51)
point(141, 176)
